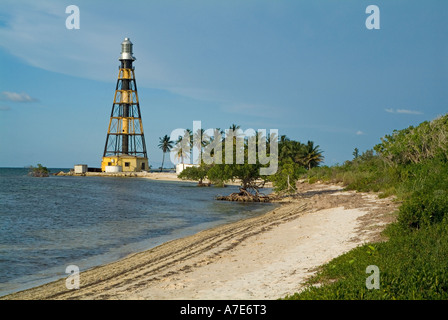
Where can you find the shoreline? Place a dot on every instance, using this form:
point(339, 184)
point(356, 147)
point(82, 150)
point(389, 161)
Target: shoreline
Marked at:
point(160, 176)
point(263, 257)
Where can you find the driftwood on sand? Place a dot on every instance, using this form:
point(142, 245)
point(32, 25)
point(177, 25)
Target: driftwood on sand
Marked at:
point(245, 196)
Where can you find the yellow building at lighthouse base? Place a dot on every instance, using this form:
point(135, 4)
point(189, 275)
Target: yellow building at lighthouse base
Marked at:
point(126, 162)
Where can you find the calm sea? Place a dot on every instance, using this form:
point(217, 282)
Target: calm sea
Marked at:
point(49, 223)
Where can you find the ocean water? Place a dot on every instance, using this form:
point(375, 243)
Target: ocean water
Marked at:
point(49, 223)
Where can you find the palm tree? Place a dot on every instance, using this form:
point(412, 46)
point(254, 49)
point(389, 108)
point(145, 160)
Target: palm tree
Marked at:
point(181, 153)
point(188, 136)
point(311, 155)
point(217, 136)
point(235, 127)
point(200, 140)
point(165, 144)
point(235, 132)
point(182, 148)
point(290, 149)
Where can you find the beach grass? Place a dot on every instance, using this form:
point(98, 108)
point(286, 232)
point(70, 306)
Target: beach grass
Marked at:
point(412, 265)
point(410, 164)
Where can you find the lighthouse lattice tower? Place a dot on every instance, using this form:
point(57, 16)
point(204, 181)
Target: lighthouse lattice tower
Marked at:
point(125, 142)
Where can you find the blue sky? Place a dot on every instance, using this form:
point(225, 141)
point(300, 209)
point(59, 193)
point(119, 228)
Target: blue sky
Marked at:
point(310, 69)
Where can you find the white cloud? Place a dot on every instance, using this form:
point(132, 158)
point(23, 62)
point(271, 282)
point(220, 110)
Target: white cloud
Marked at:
point(408, 111)
point(359, 133)
point(17, 97)
point(37, 34)
point(176, 50)
point(402, 111)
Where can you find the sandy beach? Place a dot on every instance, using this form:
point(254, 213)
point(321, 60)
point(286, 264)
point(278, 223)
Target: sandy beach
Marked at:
point(265, 257)
point(164, 176)
point(161, 176)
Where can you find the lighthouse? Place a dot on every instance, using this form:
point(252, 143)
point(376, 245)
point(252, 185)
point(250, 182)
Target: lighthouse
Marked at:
point(125, 148)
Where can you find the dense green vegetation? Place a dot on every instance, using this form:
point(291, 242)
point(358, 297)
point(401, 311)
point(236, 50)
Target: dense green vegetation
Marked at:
point(294, 158)
point(195, 173)
point(412, 265)
point(412, 165)
point(39, 171)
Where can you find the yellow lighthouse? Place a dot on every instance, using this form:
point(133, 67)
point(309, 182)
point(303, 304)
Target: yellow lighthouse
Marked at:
point(125, 148)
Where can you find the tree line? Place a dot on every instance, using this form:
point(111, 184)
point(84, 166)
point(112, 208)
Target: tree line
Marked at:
point(294, 158)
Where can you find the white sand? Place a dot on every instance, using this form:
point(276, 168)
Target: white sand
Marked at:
point(270, 264)
point(266, 257)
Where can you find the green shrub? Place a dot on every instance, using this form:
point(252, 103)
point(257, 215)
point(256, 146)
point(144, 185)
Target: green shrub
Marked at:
point(196, 173)
point(39, 171)
point(412, 265)
point(286, 176)
point(424, 208)
point(411, 164)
